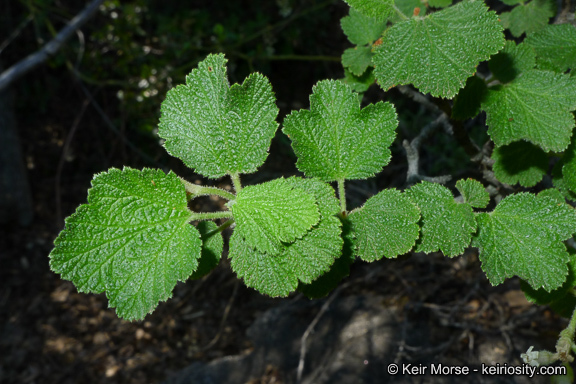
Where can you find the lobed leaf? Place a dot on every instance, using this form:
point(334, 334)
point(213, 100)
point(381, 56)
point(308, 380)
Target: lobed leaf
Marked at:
point(555, 47)
point(335, 139)
point(360, 29)
point(528, 17)
point(447, 226)
point(217, 129)
point(273, 213)
point(439, 52)
point(520, 162)
point(523, 236)
point(534, 107)
point(385, 226)
point(302, 260)
point(377, 9)
point(473, 193)
point(132, 239)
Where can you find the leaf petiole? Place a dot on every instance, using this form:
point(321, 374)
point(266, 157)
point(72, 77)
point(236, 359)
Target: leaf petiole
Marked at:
point(199, 216)
point(201, 190)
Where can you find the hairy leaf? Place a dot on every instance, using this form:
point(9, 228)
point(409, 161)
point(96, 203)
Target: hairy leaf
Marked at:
point(357, 59)
point(303, 260)
point(560, 183)
point(514, 59)
point(377, 9)
point(528, 17)
point(439, 52)
point(473, 193)
point(385, 226)
point(335, 139)
point(569, 166)
point(555, 47)
point(439, 3)
point(446, 225)
point(359, 83)
point(520, 162)
point(215, 128)
point(132, 239)
point(360, 29)
point(273, 213)
point(535, 107)
point(523, 236)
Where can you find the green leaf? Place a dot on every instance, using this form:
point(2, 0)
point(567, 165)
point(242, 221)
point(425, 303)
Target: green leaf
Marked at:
point(407, 8)
point(377, 9)
point(555, 47)
point(561, 299)
point(569, 166)
point(523, 236)
point(468, 101)
point(300, 261)
point(473, 193)
point(360, 29)
point(446, 225)
point(359, 83)
point(528, 18)
point(385, 226)
point(534, 107)
point(273, 213)
point(514, 59)
point(560, 183)
point(439, 52)
point(133, 240)
point(212, 247)
point(357, 59)
point(335, 139)
point(217, 129)
point(439, 3)
point(520, 162)
point(553, 193)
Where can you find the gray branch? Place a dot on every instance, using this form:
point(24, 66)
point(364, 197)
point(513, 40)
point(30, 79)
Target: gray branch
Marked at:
point(32, 61)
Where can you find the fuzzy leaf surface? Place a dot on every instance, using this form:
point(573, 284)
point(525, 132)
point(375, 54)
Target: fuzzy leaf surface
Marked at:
point(555, 47)
point(523, 236)
point(536, 107)
point(447, 226)
point(569, 167)
point(360, 29)
point(300, 261)
point(335, 139)
point(473, 193)
point(377, 9)
point(215, 128)
point(439, 52)
point(273, 213)
point(529, 17)
point(132, 239)
point(385, 226)
point(520, 162)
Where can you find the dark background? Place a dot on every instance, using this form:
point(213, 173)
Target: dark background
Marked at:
point(95, 105)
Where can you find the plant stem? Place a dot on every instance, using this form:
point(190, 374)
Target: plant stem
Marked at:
point(199, 216)
point(566, 340)
point(236, 181)
point(342, 196)
point(201, 190)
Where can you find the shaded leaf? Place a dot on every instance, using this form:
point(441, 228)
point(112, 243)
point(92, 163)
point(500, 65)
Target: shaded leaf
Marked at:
point(520, 162)
point(528, 17)
point(555, 47)
point(212, 247)
point(514, 59)
point(468, 101)
point(357, 59)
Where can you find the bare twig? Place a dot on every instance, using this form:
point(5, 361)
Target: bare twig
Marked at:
point(25, 65)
